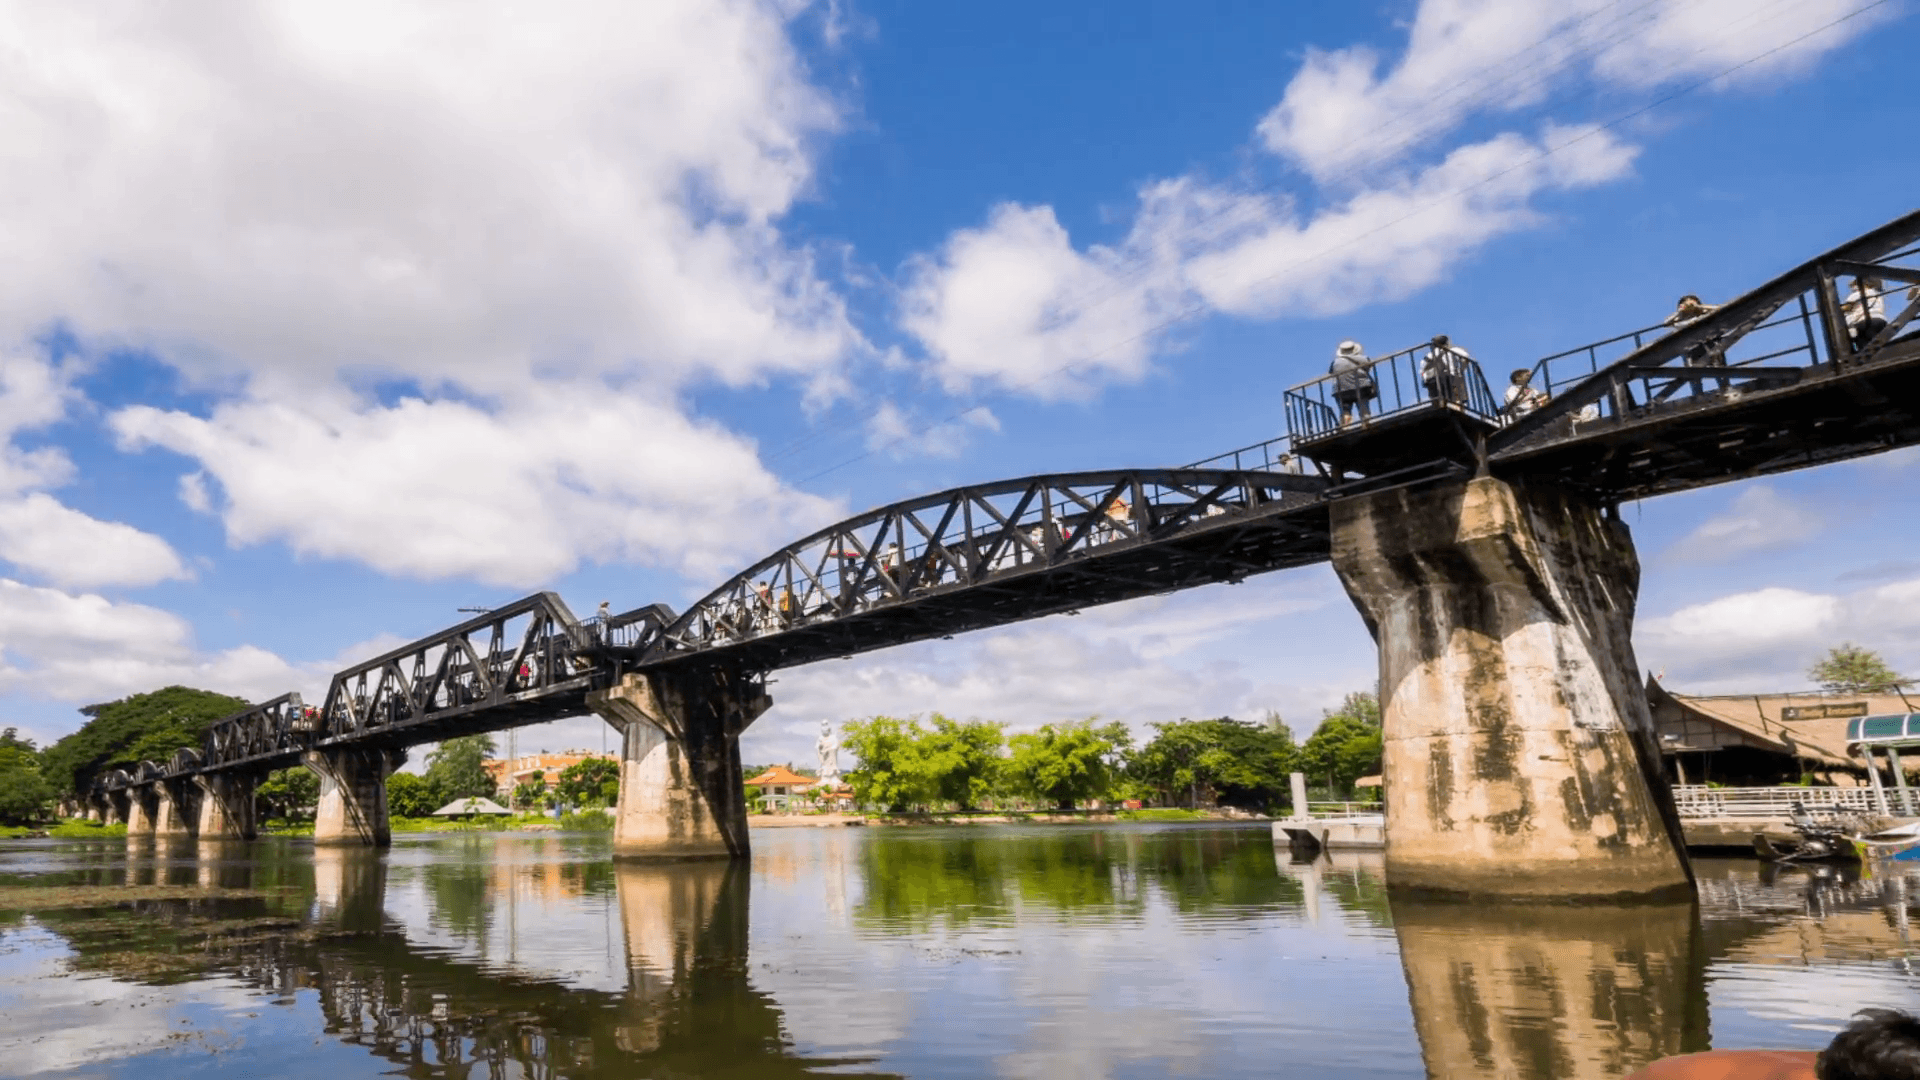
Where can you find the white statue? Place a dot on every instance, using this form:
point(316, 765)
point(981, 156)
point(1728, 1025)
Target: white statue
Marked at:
point(829, 750)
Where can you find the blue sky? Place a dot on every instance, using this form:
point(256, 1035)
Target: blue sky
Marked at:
point(322, 323)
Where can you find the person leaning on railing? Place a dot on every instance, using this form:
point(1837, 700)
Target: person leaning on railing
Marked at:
point(1689, 310)
point(1521, 397)
point(1353, 385)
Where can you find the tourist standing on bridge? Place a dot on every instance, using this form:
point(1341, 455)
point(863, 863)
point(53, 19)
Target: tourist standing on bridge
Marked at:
point(1522, 398)
point(1353, 385)
point(1687, 311)
point(1444, 371)
point(1865, 312)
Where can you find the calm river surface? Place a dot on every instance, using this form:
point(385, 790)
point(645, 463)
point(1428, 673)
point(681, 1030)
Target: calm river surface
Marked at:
point(1007, 951)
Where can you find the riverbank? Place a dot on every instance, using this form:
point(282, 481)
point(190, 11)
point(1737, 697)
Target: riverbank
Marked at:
point(1035, 817)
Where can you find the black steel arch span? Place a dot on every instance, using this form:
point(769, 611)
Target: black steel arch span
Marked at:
point(989, 554)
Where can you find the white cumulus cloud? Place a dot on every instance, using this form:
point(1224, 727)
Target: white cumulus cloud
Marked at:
point(515, 493)
point(84, 647)
point(1394, 197)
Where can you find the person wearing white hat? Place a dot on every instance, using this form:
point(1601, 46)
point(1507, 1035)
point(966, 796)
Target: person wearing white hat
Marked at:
point(1353, 385)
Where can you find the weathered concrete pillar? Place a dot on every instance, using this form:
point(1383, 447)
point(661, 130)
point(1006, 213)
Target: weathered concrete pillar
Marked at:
point(226, 806)
point(1587, 991)
point(1516, 729)
point(680, 780)
point(353, 795)
point(178, 813)
point(143, 810)
point(119, 807)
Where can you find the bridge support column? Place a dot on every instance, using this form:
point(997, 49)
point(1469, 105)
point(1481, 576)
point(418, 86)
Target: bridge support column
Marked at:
point(177, 814)
point(226, 806)
point(143, 810)
point(353, 795)
point(680, 780)
point(1520, 758)
point(119, 808)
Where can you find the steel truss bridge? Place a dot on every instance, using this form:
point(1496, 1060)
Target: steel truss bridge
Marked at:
point(1818, 365)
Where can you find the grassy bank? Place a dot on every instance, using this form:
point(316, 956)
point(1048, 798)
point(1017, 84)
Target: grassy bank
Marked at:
point(69, 829)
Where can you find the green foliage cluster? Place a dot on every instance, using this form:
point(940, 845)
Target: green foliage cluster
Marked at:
point(287, 794)
point(1066, 764)
point(25, 795)
point(905, 764)
point(532, 791)
point(1851, 669)
point(1346, 746)
point(1224, 761)
point(456, 769)
point(592, 782)
point(143, 727)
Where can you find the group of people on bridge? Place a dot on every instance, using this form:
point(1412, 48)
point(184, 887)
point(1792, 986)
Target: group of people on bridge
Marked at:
point(1445, 368)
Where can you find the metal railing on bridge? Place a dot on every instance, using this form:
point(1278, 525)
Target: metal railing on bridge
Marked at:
point(1841, 310)
point(1426, 376)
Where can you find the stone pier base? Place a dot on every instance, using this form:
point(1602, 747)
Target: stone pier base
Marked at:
point(226, 806)
point(143, 811)
point(680, 780)
point(179, 813)
point(1514, 719)
point(353, 795)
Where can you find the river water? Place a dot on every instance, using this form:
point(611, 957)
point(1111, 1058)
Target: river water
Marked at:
point(993, 951)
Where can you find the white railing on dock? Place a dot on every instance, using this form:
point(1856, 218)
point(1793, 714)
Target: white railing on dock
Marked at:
point(1343, 809)
point(1700, 801)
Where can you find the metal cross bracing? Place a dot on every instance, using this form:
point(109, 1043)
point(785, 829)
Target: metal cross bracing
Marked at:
point(997, 553)
point(525, 662)
point(1820, 364)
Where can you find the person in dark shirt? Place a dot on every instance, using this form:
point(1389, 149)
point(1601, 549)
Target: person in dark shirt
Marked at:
point(1881, 1044)
point(1353, 385)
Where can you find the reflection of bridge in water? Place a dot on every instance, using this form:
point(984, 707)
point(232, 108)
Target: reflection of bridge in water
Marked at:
point(1483, 548)
point(1492, 991)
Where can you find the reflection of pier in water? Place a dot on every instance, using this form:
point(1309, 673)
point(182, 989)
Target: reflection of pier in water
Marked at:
point(688, 1008)
point(1598, 991)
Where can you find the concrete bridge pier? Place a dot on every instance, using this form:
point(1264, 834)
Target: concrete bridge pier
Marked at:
point(117, 806)
point(1519, 750)
point(226, 806)
point(178, 812)
point(353, 795)
point(680, 780)
point(143, 811)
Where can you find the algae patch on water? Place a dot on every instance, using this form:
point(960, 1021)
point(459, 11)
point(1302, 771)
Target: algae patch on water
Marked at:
point(61, 897)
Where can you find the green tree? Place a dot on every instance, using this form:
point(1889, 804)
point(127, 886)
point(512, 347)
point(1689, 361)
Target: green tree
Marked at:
point(1850, 669)
point(456, 769)
point(962, 760)
point(1069, 763)
point(144, 727)
point(1225, 760)
point(288, 793)
point(592, 782)
point(532, 791)
point(1343, 749)
point(409, 795)
point(892, 770)
point(25, 795)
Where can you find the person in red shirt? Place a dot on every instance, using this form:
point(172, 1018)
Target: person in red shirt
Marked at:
point(1882, 1044)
